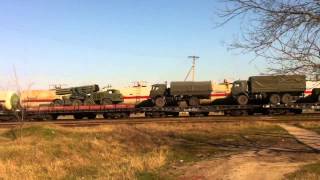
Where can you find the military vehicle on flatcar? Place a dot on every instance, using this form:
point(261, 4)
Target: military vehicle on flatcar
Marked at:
point(87, 95)
point(181, 93)
point(280, 89)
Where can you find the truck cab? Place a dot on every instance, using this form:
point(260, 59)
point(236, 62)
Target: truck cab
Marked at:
point(239, 92)
point(158, 94)
point(158, 90)
point(239, 87)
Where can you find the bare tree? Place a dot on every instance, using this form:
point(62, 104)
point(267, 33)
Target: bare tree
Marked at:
point(284, 32)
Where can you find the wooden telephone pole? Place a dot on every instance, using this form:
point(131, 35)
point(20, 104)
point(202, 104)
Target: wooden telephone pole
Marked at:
point(193, 67)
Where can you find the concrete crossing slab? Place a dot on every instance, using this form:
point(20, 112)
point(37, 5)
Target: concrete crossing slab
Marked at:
point(307, 137)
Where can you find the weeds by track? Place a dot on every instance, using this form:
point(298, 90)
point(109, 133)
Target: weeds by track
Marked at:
point(310, 117)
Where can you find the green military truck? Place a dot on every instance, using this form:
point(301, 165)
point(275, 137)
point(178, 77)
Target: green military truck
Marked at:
point(181, 93)
point(277, 89)
point(87, 95)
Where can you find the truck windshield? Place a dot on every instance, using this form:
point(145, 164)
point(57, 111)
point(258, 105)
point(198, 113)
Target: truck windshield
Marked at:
point(237, 84)
point(154, 88)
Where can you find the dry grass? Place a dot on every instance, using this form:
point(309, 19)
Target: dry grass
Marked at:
point(79, 153)
point(307, 172)
point(122, 151)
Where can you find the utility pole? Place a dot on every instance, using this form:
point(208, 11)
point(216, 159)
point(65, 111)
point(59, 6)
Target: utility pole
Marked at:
point(193, 67)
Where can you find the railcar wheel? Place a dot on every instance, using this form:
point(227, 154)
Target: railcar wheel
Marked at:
point(106, 101)
point(58, 102)
point(274, 99)
point(242, 100)
point(78, 116)
point(156, 115)
point(160, 102)
point(192, 114)
point(50, 117)
point(124, 115)
point(76, 102)
point(205, 113)
point(91, 116)
point(297, 111)
point(194, 101)
point(106, 115)
point(286, 99)
point(175, 114)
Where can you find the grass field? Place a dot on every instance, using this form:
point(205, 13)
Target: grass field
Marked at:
point(127, 151)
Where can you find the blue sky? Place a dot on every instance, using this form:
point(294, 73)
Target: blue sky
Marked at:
point(116, 42)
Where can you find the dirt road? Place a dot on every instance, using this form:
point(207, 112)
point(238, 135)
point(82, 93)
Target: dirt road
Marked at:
point(249, 165)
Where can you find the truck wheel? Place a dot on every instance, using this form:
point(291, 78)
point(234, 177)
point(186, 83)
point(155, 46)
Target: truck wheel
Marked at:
point(58, 102)
point(106, 102)
point(160, 102)
point(242, 100)
point(274, 99)
point(286, 99)
point(89, 101)
point(194, 101)
point(76, 102)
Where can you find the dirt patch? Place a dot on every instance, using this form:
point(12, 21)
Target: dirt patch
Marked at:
point(265, 164)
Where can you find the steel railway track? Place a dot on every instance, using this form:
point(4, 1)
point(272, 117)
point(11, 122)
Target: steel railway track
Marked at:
point(314, 117)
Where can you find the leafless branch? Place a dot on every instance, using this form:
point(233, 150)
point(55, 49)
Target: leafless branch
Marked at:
point(284, 32)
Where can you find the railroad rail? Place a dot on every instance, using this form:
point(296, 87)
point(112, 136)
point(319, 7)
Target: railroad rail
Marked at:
point(289, 119)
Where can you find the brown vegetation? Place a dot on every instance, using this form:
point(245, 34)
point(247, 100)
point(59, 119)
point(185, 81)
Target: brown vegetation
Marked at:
point(129, 151)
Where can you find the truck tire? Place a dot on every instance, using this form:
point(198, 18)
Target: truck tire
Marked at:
point(76, 102)
point(106, 102)
point(242, 99)
point(89, 101)
point(286, 99)
point(160, 102)
point(194, 101)
point(274, 99)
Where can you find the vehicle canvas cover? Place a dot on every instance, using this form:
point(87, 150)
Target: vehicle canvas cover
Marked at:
point(191, 88)
point(281, 83)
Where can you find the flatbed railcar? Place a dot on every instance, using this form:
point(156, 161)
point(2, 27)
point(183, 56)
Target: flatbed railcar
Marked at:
point(125, 110)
